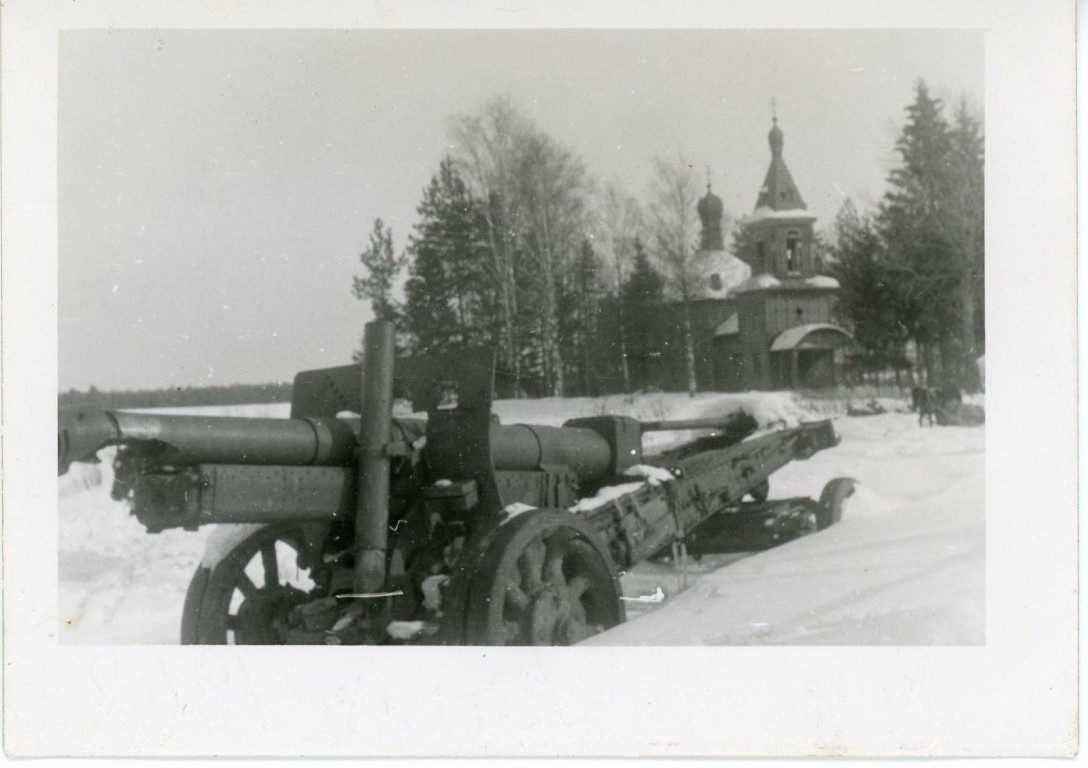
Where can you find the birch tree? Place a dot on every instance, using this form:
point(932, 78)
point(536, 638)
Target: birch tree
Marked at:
point(619, 224)
point(674, 192)
point(487, 145)
point(553, 186)
point(537, 217)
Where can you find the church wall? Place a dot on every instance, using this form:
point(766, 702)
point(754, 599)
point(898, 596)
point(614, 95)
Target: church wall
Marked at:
point(781, 310)
point(754, 342)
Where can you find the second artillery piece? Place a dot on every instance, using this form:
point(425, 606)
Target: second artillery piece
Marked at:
point(357, 527)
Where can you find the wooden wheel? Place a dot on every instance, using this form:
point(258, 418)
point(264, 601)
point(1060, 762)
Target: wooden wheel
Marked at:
point(543, 579)
point(244, 597)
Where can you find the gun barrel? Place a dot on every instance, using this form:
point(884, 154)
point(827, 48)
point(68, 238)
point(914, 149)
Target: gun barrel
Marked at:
point(188, 440)
point(170, 440)
point(527, 447)
point(177, 440)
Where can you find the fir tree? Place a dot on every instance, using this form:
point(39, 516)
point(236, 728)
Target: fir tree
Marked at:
point(643, 297)
point(583, 322)
point(964, 214)
point(448, 293)
point(868, 300)
point(924, 229)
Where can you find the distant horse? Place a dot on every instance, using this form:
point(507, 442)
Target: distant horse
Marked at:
point(941, 404)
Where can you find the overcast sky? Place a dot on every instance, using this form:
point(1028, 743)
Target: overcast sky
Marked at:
point(215, 188)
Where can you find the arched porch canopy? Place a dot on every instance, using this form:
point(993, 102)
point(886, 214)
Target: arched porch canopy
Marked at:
point(811, 336)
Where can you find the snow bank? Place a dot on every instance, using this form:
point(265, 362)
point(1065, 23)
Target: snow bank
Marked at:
point(912, 575)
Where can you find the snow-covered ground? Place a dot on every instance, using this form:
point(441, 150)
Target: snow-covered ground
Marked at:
point(905, 566)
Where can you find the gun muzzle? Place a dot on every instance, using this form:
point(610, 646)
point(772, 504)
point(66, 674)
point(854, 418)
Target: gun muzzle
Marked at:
point(80, 434)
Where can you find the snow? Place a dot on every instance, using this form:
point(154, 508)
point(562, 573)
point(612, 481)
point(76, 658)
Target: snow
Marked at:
point(605, 495)
point(765, 212)
point(223, 539)
point(906, 565)
point(822, 281)
point(653, 475)
point(884, 575)
point(730, 270)
point(767, 280)
point(404, 630)
point(758, 283)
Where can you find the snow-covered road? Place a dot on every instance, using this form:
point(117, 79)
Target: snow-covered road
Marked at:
point(905, 566)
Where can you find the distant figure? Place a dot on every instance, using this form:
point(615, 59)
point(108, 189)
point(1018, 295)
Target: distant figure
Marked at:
point(924, 400)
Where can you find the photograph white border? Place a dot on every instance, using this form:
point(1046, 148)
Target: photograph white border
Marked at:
point(1017, 695)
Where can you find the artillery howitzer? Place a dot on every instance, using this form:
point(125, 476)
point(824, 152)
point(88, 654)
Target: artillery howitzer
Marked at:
point(454, 529)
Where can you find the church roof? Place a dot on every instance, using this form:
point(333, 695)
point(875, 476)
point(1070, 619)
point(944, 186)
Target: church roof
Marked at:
point(792, 338)
point(719, 272)
point(779, 193)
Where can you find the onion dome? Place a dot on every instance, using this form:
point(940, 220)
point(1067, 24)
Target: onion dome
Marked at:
point(774, 138)
point(710, 211)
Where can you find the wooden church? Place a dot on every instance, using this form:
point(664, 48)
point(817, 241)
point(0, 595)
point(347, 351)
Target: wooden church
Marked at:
point(775, 329)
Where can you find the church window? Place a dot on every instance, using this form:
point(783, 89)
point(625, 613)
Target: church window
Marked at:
point(793, 251)
point(716, 281)
point(760, 254)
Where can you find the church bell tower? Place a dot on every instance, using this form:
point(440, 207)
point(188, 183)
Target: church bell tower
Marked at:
point(779, 231)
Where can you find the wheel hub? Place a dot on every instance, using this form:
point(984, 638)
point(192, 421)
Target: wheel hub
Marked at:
point(543, 580)
point(262, 617)
point(555, 618)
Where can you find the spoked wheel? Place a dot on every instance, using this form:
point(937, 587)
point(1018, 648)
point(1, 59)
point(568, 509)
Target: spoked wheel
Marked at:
point(245, 596)
point(544, 579)
point(831, 499)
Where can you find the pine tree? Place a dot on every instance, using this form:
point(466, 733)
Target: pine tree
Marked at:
point(449, 293)
point(381, 269)
point(643, 298)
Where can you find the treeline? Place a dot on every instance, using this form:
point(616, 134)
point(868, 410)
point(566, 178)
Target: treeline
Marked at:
point(584, 289)
point(520, 248)
point(913, 271)
point(177, 397)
